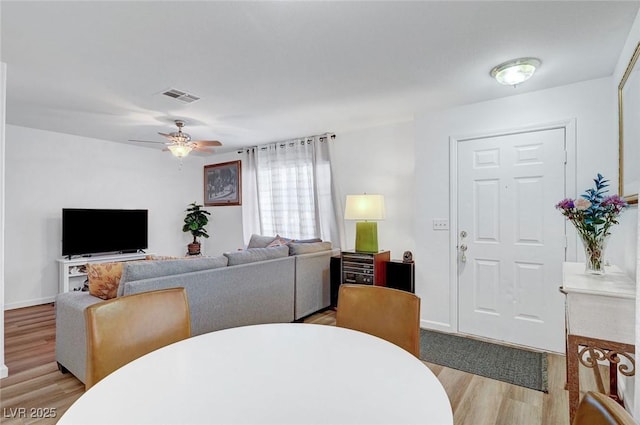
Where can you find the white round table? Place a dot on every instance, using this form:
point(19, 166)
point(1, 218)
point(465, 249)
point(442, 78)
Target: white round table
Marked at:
point(278, 374)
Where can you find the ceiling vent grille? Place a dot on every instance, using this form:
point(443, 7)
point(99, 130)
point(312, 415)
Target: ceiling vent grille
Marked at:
point(181, 95)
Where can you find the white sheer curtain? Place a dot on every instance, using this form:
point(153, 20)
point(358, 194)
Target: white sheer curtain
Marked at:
point(291, 185)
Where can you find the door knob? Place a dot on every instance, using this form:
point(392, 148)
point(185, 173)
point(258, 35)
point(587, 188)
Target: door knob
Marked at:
point(463, 249)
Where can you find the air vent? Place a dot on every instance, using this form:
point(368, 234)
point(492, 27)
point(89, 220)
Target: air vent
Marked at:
point(181, 95)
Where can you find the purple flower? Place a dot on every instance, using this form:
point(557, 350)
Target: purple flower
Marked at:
point(565, 204)
point(615, 200)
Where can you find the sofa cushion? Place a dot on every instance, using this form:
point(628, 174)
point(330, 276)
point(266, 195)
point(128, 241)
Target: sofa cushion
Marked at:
point(256, 254)
point(307, 240)
point(104, 279)
point(149, 269)
point(258, 241)
point(297, 248)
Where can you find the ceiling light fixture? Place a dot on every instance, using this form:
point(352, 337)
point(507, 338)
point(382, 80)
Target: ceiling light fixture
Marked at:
point(516, 71)
point(180, 150)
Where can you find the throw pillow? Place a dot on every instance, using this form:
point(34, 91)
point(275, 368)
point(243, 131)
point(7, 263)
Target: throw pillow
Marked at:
point(308, 248)
point(279, 241)
point(256, 254)
point(160, 257)
point(258, 241)
point(104, 279)
point(307, 240)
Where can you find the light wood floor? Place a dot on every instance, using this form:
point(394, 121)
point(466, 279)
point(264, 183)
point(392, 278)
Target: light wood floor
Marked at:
point(34, 381)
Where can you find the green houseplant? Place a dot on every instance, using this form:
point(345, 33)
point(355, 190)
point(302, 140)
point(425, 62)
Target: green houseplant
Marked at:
point(195, 222)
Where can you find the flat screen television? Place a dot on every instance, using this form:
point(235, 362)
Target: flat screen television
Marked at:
point(93, 231)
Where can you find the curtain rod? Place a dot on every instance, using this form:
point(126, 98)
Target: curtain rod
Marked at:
point(297, 139)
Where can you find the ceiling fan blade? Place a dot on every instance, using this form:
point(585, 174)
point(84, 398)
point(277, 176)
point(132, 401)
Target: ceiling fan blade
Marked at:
point(168, 136)
point(203, 150)
point(207, 142)
point(146, 141)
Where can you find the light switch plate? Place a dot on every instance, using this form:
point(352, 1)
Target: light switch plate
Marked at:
point(440, 224)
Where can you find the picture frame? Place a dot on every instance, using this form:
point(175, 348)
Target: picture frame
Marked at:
point(629, 130)
point(223, 184)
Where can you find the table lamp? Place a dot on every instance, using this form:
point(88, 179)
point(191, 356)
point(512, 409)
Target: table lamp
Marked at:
point(365, 207)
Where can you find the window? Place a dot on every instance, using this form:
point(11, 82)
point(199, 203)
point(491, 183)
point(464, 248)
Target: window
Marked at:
point(288, 190)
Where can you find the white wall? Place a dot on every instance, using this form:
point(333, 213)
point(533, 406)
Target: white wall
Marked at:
point(48, 171)
point(372, 160)
point(380, 160)
point(591, 103)
point(225, 223)
point(3, 73)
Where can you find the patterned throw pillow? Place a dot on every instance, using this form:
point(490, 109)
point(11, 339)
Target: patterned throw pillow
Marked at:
point(104, 279)
point(279, 241)
point(160, 257)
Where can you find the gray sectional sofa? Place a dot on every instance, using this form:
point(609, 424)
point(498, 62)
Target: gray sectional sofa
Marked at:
point(258, 285)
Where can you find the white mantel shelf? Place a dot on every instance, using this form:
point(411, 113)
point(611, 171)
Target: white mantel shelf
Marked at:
point(614, 283)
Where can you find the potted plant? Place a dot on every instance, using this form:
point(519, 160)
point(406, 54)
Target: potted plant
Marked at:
point(195, 222)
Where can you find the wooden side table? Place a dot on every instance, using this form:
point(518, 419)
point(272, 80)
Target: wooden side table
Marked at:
point(600, 320)
point(364, 267)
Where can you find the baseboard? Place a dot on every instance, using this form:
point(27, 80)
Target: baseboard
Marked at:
point(29, 303)
point(436, 326)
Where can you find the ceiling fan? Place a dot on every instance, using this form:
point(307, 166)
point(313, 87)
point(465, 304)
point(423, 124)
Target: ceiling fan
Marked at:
point(180, 143)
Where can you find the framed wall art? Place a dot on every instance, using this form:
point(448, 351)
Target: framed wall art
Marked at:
point(223, 184)
point(629, 126)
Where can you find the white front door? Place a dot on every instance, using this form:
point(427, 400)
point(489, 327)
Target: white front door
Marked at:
point(509, 275)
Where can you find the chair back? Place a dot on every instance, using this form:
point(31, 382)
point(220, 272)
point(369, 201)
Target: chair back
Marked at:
point(387, 313)
point(598, 409)
point(124, 328)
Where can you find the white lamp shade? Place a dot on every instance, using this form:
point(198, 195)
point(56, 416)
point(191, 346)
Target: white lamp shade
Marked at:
point(180, 150)
point(364, 207)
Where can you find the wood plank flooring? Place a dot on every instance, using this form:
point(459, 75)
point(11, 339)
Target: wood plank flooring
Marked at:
point(34, 381)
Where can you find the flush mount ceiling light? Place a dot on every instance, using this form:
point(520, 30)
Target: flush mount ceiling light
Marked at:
point(515, 71)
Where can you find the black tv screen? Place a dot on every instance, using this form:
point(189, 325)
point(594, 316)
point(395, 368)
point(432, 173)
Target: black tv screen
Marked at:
point(92, 231)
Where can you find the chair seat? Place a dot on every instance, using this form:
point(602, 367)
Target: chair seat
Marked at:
point(598, 409)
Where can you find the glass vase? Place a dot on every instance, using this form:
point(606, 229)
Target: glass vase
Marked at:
point(594, 248)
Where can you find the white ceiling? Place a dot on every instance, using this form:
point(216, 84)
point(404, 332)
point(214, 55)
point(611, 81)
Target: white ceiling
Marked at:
point(269, 71)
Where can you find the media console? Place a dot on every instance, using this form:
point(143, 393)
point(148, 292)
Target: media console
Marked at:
point(73, 273)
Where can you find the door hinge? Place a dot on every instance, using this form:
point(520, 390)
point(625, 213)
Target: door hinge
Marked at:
point(566, 156)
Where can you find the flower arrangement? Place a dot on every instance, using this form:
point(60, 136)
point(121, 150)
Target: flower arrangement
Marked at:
point(593, 214)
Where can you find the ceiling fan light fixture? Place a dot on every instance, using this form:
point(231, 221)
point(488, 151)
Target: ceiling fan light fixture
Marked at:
point(516, 71)
point(179, 150)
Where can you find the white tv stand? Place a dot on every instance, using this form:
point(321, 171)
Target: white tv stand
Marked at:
point(72, 272)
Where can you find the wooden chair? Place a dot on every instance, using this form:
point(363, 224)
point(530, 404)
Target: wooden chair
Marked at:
point(598, 409)
point(122, 329)
point(387, 313)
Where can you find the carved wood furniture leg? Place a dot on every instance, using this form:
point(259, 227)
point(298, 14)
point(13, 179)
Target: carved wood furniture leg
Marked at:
point(613, 378)
point(573, 379)
point(593, 363)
